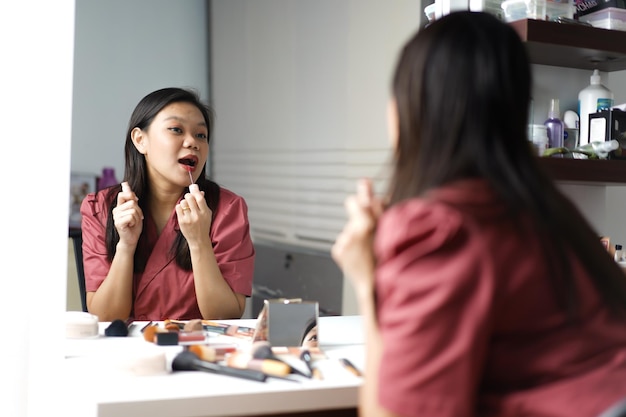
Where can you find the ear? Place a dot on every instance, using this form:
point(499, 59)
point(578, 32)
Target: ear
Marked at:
point(138, 138)
point(393, 126)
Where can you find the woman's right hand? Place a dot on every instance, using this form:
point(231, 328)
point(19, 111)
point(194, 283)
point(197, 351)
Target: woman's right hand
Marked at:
point(353, 250)
point(128, 216)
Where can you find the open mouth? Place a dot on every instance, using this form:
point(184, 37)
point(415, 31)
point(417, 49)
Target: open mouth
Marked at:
point(190, 162)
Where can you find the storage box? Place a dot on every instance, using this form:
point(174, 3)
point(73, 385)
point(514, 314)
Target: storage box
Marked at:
point(610, 18)
point(560, 8)
point(441, 8)
point(537, 9)
point(493, 7)
point(584, 7)
point(607, 125)
point(524, 9)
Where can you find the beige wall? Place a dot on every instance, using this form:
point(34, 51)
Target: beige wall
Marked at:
point(73, 294)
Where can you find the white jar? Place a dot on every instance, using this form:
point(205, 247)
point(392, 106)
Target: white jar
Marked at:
point(538, 135)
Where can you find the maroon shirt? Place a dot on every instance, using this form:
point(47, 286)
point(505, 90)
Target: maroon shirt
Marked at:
point(469, 321)
point(164, 290)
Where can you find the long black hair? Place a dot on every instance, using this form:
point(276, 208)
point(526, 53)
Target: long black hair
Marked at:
point(462, 88)
point(136, 174)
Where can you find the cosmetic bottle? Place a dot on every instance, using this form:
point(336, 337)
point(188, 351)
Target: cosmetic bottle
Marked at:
point(619, 254)
point(539, 138)
point(555, 125)
point(107, 179)
point(592, 99)
point(572, 129)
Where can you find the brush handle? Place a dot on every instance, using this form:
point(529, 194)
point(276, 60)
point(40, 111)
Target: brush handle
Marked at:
point(188, 361)
point(239, 373)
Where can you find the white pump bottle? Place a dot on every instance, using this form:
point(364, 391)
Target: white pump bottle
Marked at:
point(592, 99)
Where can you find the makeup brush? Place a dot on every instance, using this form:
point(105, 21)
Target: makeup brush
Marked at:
point(188, 361)
point(263, 350)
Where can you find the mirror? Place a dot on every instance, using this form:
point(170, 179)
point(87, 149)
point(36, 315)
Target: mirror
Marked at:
point(300, 106)
point(288, 323)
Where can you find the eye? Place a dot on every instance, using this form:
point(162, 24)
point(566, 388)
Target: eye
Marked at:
point(201, 136)
point(176, 129)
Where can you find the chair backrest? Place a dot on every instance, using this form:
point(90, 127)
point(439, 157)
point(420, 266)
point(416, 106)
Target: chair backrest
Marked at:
point(616, 410)
point(77, 239)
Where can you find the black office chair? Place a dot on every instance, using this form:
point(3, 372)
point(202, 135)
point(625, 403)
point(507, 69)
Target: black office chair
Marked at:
point(617, 410)
point(77, 239)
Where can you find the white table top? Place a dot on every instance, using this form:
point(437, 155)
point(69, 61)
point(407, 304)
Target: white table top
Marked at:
point(100, 381)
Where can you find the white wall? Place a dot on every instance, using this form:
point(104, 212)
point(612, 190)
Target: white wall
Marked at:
point(301, 90)
point(124, 50)
point(36, 43)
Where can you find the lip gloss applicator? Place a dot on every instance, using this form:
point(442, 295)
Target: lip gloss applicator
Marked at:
point(188, 168)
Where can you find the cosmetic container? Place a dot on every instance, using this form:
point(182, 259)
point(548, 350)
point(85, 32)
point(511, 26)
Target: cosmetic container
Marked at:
point(619, 253)
point(107, 179)
point(555, 125)
point(592, 99)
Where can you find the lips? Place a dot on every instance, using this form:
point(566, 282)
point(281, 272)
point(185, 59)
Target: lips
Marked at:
point(189, 160)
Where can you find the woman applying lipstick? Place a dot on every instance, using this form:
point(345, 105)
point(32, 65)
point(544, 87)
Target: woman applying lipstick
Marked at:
point(157, 247)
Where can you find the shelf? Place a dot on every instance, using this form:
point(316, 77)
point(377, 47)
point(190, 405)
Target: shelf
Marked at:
point(580, 47)
point(586, 171)
point(573, 46)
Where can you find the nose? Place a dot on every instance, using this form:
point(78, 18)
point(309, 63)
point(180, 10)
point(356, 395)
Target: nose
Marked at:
point(191, 142)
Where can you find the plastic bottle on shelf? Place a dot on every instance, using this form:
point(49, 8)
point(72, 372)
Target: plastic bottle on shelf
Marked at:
point(539, 138)
point(555, 125)
point(619, 253)
point(107, 179)
point(572, 129)
point(592, 99)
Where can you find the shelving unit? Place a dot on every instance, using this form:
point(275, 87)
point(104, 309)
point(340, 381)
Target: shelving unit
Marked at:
point(573, 46)
point(589, 171)
point(581, 47)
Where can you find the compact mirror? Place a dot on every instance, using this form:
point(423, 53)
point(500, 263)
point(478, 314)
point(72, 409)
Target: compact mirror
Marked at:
point(288, 322)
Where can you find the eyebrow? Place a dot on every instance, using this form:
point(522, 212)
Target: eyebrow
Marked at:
point(181, 120)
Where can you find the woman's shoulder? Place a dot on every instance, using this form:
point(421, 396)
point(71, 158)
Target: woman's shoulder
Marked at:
point(424, 223)
point(95, 202)
point(423, 211)
point(228, 197)
point(230, 203)
point(447, 207)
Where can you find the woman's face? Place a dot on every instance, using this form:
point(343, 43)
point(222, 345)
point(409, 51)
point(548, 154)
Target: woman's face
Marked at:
point(175, 143)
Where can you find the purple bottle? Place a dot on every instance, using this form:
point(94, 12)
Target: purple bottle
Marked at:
point(556, 127)
point(108, 178)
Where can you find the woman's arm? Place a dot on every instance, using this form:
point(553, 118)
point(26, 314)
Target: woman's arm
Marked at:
point(368, 395)
point(216, 299)
point(113, 298)
point(354, 253)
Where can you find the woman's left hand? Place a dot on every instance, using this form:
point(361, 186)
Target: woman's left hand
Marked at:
point(194, 217)
point(353, 250)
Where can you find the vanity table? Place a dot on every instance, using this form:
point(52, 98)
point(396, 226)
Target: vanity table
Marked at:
point(99, 380)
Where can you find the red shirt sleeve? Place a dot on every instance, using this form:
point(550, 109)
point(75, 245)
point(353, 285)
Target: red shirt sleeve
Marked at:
point(232, 243)
point(95, 262)
point(433, 305)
